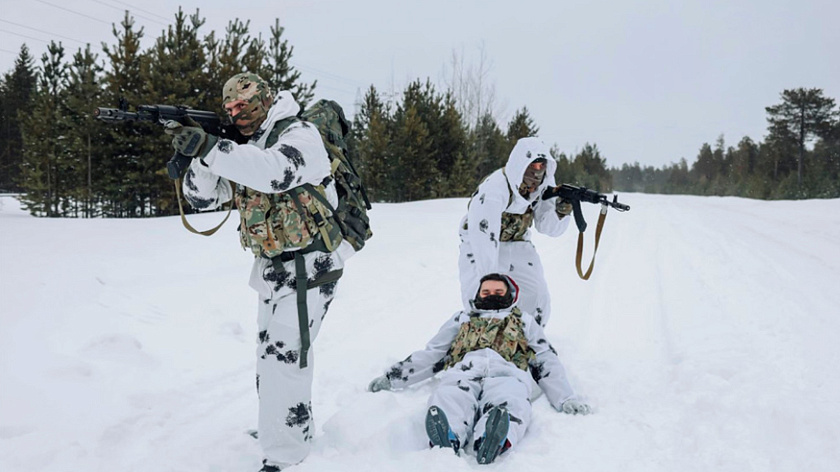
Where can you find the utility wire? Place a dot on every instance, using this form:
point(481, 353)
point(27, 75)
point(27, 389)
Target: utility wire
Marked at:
point(74, 12)
point(140, 9)
point(42, 31)
point(23, 35)
point(133, 13)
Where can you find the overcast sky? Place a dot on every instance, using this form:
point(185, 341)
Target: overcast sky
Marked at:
point(647, 81)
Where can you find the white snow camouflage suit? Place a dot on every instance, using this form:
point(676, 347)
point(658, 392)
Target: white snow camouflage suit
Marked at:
point(483, 378)
point(482, 250)
point(298, 157)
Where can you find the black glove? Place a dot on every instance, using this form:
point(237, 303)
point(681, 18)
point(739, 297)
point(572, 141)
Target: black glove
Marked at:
point(190, 139)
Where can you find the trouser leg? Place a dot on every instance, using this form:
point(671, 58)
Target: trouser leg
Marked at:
point(457, 396)
point(521, 262)
point(511, 393)
point(285, 390)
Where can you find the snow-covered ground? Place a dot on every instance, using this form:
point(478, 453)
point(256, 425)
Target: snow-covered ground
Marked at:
point(706, 340)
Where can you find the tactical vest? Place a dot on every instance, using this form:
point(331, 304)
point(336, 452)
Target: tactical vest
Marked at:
point(514, 226)
point(271, 223)
point(505, 335)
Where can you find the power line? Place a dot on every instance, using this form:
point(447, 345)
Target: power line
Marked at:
point(140, 9)
point(74, 12)
point(23, 35)
point(42, 31)
point(133, 13)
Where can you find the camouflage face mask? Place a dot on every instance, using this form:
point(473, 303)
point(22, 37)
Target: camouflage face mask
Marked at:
point(254, 91)
point(533, 177)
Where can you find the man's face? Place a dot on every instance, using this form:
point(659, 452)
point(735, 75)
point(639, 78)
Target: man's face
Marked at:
point(533, 177)
point(234, 108)
point(492, 287)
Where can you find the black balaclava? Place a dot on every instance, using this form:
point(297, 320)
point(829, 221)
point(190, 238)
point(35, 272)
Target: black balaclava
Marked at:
point(494, 302)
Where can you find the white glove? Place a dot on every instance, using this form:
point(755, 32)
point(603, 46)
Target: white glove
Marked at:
point(379, 383)
point(574, 407)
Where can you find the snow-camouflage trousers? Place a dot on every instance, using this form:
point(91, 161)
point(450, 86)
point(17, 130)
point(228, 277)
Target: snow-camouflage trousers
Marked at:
point(284, 389)
point(466, 397)
point(519, 260)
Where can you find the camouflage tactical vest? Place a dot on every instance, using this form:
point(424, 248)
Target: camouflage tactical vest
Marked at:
point(514, 226)
point(505, 335)
point(271, 223)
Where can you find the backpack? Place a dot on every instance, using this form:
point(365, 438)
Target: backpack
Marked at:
point(353, 204)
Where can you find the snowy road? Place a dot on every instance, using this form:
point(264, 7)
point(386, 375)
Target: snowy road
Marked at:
point(706, 339)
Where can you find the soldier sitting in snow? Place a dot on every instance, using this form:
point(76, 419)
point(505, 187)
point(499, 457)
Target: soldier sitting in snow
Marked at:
point(490, 357)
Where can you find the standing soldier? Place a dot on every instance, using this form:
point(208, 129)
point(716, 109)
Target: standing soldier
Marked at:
point(282, 178)
point(495, 235)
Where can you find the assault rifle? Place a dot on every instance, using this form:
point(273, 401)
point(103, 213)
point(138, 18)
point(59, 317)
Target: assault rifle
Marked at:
point(208, 120)
point(575, 195)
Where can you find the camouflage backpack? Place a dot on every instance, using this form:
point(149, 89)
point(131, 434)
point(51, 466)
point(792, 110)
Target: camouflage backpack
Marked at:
point(353, 203)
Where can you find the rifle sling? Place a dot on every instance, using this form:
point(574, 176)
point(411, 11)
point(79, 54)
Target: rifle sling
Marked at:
point(184, 217)
point(579, 255)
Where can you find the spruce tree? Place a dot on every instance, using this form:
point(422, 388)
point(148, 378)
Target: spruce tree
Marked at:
point(371, 138)
point(44, 132)
point(521, 126)
point(18, 89)
point(279, 73)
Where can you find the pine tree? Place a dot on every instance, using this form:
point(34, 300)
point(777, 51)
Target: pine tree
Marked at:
point(279, 73)
point(806, 113)
point(17, 91)
point(371, 138)
point(124, 190)
point(44, 137)
point(86, 133)
point(521, 126)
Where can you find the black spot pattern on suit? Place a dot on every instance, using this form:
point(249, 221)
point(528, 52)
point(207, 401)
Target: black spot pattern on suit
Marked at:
point(531, 264)
point(293, 155)
point(466, 367)
point(289, 357)
point(483, 225)
point(326, 307)
point(199, 203)
point(225, 146)
point(288, 178)
point(538, 371)
point(438, 366)
point(280, 279)
point(188, 180)
point(511, 267)
point(322, 265)
point(396, 372)
point(299, 415)
point(481, 198)
point(264, 337)
point(551, 348)
point(538, 319)
point(528, 154)
point(464, 388)
point(493, 238)
point(514, 419)
point(487, 407)
point(328, 289)
point(258, 384)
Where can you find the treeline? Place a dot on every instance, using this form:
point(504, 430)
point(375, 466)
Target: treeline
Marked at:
point(420, 144)
point(780, 167)
point(64, 162)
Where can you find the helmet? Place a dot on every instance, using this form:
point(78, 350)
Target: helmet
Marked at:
point(252, 89)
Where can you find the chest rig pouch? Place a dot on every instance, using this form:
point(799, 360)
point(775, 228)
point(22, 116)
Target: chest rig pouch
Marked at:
point(297, 220)
point(505, 335)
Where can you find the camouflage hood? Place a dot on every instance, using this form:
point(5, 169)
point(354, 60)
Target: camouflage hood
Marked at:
point(526, 151)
